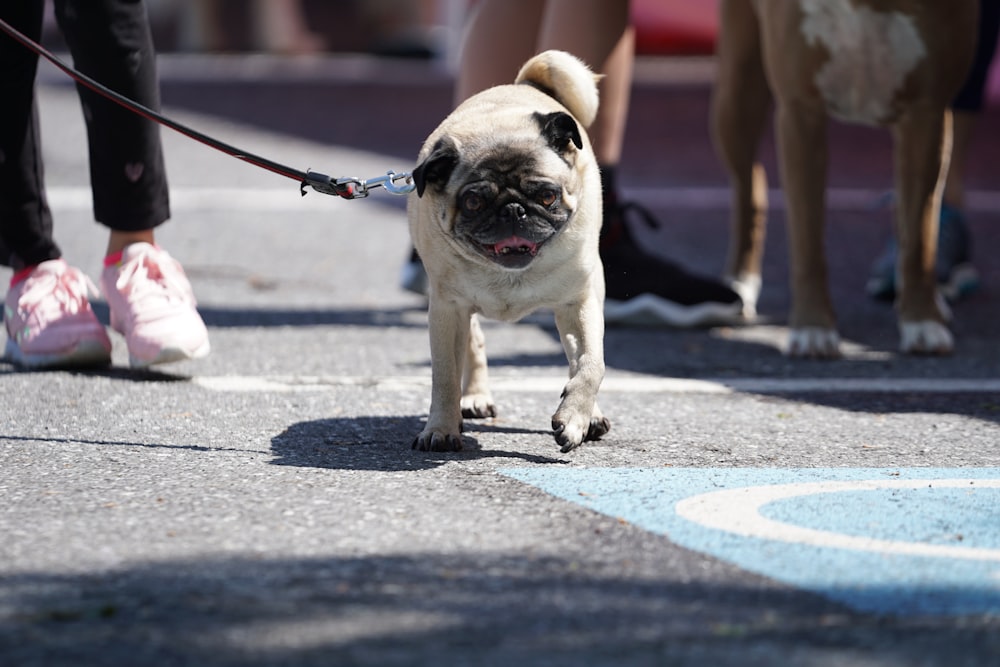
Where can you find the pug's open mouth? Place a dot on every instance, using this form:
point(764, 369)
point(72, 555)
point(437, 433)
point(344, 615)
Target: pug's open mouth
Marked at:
point(512, 252)
point(513, 245)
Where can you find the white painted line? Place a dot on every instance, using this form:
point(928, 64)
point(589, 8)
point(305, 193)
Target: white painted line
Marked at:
point(628, 385)
point(737, 511)
point(862, 385)
point(69, 198)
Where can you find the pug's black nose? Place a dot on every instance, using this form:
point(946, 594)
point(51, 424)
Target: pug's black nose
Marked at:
point(513, 212)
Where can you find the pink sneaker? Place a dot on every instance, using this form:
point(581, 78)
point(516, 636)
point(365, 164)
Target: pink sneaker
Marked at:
point(50, 322)
point(152, 305)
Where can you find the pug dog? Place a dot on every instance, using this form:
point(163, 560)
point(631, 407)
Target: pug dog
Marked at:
point(505, 216)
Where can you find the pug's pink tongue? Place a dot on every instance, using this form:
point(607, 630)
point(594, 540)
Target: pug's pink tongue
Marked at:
point(515, 244)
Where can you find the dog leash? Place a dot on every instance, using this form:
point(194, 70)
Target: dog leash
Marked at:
point(347, 187)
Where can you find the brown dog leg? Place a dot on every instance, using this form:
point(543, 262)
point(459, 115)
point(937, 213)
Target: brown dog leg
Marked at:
point(803, 150)
point(740, 102)
point(922, 146)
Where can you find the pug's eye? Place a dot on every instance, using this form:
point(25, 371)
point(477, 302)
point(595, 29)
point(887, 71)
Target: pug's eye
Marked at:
point(547, 197)
point(472, 202)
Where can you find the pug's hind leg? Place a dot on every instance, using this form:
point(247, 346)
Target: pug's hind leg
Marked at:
point(578, 418)
point(477, 401)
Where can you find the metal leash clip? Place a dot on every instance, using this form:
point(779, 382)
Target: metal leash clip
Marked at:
point(388, 182)
point(351, 187)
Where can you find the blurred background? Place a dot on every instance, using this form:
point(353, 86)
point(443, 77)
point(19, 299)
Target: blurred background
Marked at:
point(412, 29)
point(377, 76)
point(427, 29)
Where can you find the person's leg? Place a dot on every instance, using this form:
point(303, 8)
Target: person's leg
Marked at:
point(47, 314)
point(969, 102)
point(501, 35)
point(642, 286)
point(954, 268)
point(598, 33)
point(150, 299)
point(110, 41)
point(25, 219)
point(279, 26)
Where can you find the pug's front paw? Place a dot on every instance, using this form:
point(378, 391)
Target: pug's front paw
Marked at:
point(478, 406)
point(571, 432)
point(435, 440)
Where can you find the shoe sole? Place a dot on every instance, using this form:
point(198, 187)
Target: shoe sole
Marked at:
point(87, 354)
point(650, 310)
point(170, 355)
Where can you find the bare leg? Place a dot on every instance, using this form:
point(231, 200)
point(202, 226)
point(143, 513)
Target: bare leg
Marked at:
point(501, 36)
point(118, 240)
point(597, 32)
point(280, 26)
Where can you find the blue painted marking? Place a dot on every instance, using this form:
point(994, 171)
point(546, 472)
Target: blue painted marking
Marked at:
point(965, 521)
point(970, 517)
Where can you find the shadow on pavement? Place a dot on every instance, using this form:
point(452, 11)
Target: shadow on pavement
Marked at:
point(382, 444)
point(450, 609)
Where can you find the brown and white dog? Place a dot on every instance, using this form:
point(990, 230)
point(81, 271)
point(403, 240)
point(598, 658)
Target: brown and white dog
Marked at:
point(895, 63)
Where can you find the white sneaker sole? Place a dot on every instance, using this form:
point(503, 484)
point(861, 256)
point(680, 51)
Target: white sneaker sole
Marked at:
point(650, 310)
point(170, 355)
point(86, 354)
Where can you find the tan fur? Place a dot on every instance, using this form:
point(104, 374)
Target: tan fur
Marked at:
point(566, 275)
point(888, 62)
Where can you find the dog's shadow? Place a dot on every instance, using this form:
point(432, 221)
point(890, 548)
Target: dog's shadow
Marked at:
point(384, 444)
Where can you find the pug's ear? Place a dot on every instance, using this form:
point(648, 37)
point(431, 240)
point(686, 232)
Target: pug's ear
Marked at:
point(559, 129)
point(437, 168)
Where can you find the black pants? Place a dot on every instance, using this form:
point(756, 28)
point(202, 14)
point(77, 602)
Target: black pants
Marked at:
point(970, 97)
point(110, 41)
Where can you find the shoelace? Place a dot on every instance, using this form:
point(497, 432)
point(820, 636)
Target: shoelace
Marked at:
point(47, 294)
point(146, 274)
point(48, 297)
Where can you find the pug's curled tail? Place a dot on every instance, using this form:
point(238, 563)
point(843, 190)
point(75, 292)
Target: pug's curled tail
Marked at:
point(566, 78)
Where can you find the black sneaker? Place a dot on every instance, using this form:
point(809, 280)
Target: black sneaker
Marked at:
point(644, 289)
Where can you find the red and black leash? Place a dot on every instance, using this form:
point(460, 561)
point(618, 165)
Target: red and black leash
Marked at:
point(347, 188)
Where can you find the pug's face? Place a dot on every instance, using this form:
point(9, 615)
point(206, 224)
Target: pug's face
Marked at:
point(503, 197)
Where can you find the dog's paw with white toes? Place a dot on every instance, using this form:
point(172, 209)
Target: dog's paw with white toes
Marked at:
point(925, 337)
point(748, 288)
point(813, 342)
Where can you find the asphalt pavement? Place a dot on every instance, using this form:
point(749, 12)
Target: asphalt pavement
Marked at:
point(263, 506)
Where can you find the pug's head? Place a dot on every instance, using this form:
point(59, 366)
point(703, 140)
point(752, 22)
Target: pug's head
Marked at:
point(504, 195)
